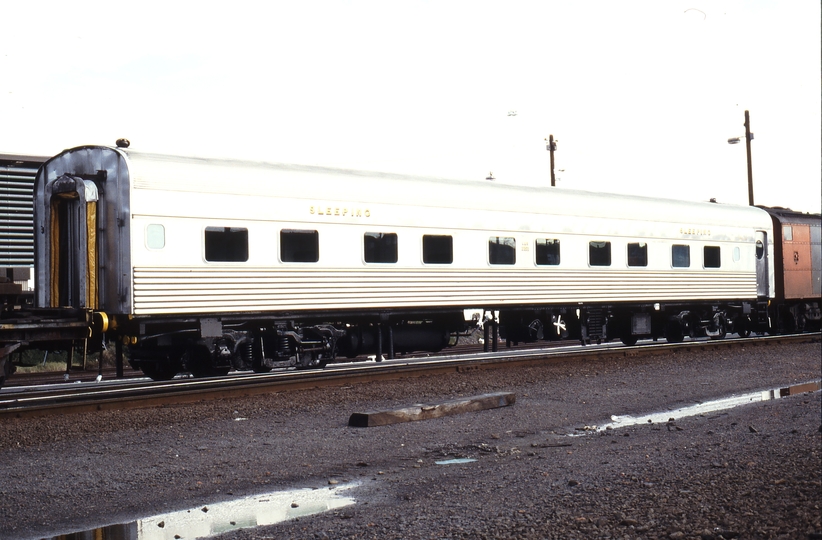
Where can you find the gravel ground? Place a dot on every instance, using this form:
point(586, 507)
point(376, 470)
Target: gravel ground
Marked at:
point(750, 472)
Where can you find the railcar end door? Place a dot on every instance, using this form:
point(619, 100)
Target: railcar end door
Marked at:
point(762, 277)
point(72, 242)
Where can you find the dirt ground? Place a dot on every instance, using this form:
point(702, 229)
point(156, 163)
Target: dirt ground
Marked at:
point(541, 471)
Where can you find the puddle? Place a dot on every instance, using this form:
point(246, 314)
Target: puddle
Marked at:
point(709, 406)
point(455, 461)
point(208, 520)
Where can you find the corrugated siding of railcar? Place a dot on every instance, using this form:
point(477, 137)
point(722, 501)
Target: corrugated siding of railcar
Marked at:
point(193, 290)
point(16, 209)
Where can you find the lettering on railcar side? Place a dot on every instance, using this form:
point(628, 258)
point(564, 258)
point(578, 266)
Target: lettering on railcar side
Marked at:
point(694, 231)
point(339, 211)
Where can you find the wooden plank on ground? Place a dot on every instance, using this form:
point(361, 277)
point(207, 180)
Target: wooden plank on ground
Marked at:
point(433, 410)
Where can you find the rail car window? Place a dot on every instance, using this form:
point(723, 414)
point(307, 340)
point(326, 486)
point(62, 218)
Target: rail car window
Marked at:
point(637, 254)
point(380, 247)
point(437, 249)
point(680, 256)
point(226, 244)
point(155, 236)
point(787, 233)
point(502, 250)
point(760, 249)
point(299, 246)
point(599, 253)
point(737, 254)
point(711, 257)
point(547, 252)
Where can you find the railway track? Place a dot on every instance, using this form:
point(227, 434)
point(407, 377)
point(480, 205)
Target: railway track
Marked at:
point(75, 375)
point(139, 393)
point(78, 374)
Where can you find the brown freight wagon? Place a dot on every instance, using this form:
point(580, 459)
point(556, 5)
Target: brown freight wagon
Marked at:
point(798, 270)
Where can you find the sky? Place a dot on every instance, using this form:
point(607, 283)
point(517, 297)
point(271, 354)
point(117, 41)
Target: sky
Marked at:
point(641, 95)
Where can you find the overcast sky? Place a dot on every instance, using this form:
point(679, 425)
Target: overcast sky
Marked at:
point(641, 95)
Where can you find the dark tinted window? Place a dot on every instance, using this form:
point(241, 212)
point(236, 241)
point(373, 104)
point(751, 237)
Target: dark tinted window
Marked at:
point(437, 249)
point(599, 253)
point(638, 254)
point(502, 250)
point(226, 244)
point(680, 256)
point(547, 251)
point(760, 249)
point(380, 247)
point(712, 259)
point(299, 246)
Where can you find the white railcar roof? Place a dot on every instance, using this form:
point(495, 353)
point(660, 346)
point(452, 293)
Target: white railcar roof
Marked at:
point(327, 184)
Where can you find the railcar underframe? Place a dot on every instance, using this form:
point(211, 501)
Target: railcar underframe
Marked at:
point(164, 346)
point(214, 345)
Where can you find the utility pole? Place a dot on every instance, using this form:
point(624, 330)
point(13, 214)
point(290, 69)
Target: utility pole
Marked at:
point(748, 137)
point(552, 147)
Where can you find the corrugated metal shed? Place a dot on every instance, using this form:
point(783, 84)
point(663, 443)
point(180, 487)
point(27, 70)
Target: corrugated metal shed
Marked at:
point(17, 174)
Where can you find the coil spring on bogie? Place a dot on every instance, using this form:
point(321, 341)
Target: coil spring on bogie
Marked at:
point(247, 352)
point(284, 346)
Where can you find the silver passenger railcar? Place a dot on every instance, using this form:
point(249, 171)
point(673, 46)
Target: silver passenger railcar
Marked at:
point(203, 265)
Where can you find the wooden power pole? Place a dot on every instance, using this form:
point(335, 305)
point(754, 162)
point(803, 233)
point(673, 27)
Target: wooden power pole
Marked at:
point(552, 147)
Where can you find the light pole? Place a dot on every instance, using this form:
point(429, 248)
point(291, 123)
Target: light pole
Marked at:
point(748, 138)
point(551, 146)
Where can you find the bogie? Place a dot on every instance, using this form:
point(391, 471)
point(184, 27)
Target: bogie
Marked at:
point(283, 345)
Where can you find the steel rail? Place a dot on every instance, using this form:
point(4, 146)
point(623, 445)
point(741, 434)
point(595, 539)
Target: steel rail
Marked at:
point(84, 397)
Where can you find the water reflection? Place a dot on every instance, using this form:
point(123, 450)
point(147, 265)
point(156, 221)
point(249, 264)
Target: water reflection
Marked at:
point(708, 406)
point(455, 461)
point(205, 521)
